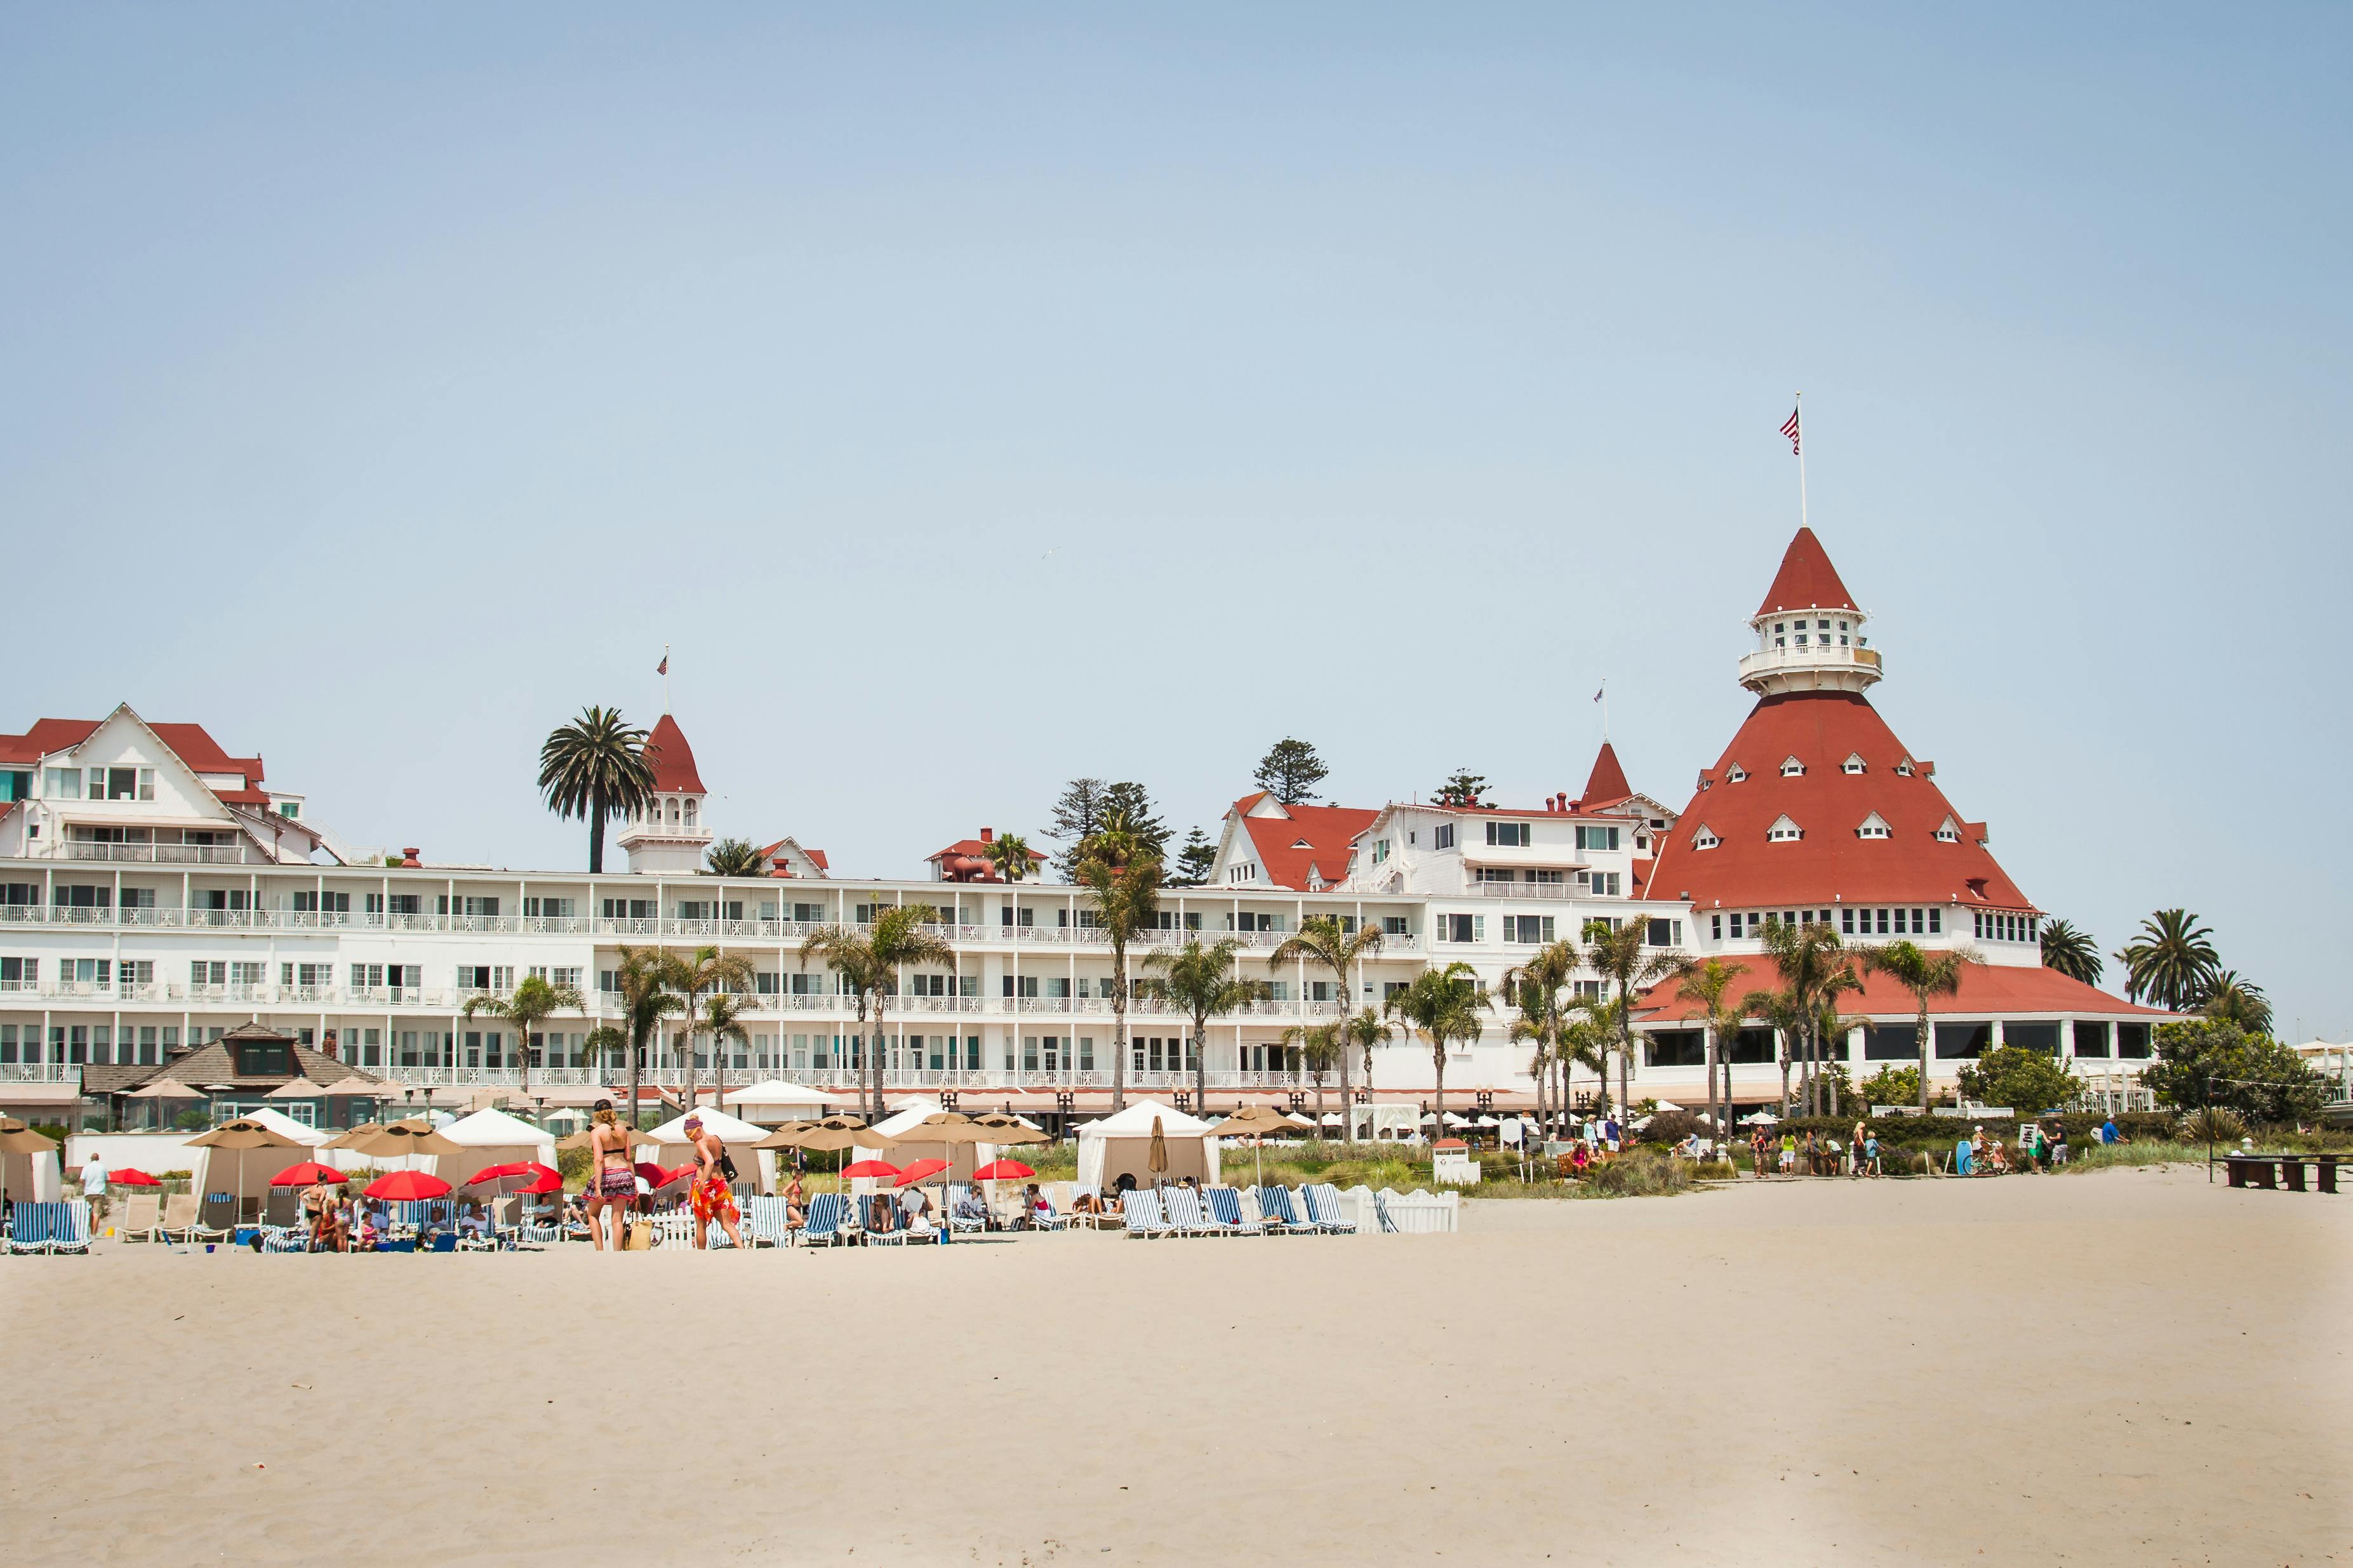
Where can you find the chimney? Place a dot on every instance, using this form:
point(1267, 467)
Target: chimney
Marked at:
point(408, 859)
point(989, 836)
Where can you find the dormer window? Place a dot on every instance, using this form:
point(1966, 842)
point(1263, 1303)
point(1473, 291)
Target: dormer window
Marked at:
point(1792, 769)
point(1738, 774)
point(1875, 826)
point(1853, 764)
point(1784, 831)
point(1949, 833)
point(1705, 838)
point(1904, 768)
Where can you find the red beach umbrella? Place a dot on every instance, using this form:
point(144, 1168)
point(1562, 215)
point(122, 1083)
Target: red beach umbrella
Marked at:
point(408, 1186)
point(919, 1171)
point(652, 1174)
point(132, 1178)
point(679, 1174)
point(1003, 1171)
point(309, 1174)
point(550, 1183)
point(520, 1170)
point(870, 1168)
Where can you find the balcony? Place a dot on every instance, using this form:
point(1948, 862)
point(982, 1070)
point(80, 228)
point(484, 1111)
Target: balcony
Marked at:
point(1563, 889)
point(153, 853)
point(1814, 667)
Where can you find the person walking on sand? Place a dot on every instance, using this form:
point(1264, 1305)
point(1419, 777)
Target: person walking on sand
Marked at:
point(712, 1198)
point(612, 1179)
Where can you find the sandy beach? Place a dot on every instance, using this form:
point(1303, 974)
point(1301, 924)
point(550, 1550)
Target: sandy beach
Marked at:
point(2113, 1368)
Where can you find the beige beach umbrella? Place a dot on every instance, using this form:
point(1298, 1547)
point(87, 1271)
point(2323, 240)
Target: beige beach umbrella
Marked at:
point(838, 1133)
point(1254, 1122)
point(1009, 1131)
point(1156, 1160)
point(296, 1088)
point(239, 1136)
point(639, 1138)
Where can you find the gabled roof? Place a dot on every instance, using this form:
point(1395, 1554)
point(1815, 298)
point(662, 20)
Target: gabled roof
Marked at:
point(192, 743)
point(1807, 580)
point(1986, 988)
point(975, 849)
point(1606, 784)
point(1821, 728)
point(216, 1063)
point(672, 760)
point(1276, 837)
point(786, 846)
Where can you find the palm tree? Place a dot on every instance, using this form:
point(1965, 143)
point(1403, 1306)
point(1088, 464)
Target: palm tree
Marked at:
point(733, 858)
point(709, 971)
point(1586, 1032)
point(1316, 1045)
point(597, 1049)
point(1707, 986)
point(1362, 1031)
point(2171, 962)
point(1324, 940)
point(1441, 1005)
point(1200, 979)
point(1536, 987)
point(1924, 974)
point(1620, 956)
point(1123, 877)
point(529, 1006)
point(596, 767)
point(1811, 957)
point(2072, 951)
point(1787, 1015)
point(722, 1020)
point(2238, 1001)
point(648, 991)
point(1010, 856)
point(869, 959)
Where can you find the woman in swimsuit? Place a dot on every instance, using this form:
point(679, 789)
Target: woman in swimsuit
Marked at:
point(612, 1179)
point(711, 1197)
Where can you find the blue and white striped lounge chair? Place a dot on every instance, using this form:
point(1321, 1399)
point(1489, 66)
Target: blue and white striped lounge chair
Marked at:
point(285, 1239)
point(958, 1193)
point(1186, 1215)
point(823, 1226)
point(764, 1223)
point(1282, 1219)
point(1145, 1217)
point(1051, 1218)
point(1225, 1210)
point(1381, 1212)
point(1325, 1210)
point(50, 1227)
point(216, 1221)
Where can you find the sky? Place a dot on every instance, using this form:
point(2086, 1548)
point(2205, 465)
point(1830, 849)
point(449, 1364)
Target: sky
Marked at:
point(972, 398)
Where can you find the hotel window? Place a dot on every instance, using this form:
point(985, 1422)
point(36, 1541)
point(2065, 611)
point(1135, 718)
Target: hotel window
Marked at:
point(548, 908)
point(1841, 634)
point(1380, 850)
point(486, 977)
point(1603, 838)
point(1705, 838)
point(1664, 933)
point(1464, 928)
point(1784, 832)
point(1904, 768)
point(1853, 764)
point(1736, 775)
point(1524, 927)
point(65, 784)
point(1715, 928)
point(1508, 834)
point(1791, 768)
point(1393, 925)
point(397, 904)
point(466, 905)
point(1442, 836)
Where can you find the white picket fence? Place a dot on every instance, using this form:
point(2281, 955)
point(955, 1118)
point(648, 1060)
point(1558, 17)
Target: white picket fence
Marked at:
point(1417, 1212)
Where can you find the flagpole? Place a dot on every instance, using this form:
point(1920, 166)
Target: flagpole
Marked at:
point(665, 647)
point(1798, 414)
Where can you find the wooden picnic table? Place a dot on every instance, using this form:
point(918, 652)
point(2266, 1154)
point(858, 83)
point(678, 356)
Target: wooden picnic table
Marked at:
point(2272, 1172)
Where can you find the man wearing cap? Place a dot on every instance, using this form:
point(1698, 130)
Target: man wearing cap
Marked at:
point(711, 1197)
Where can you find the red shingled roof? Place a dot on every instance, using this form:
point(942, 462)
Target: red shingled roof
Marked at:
point(1807, 580)
point(1830, 863)
point(191, 743)
point(672, 760)
point(1606, 784)
point(1316, 835)
point(1985, 988)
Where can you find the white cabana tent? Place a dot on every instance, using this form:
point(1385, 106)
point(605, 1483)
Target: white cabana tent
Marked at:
point(756, 1169)
point(278, 1121)
point(492, 1137)
point(247, 1172)
point(1120, 1144)
point(33, 1178)
point(963, 1159)
point(772, 1101)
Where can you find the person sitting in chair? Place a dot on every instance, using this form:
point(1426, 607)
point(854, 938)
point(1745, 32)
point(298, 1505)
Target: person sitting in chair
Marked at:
point(795, 1203)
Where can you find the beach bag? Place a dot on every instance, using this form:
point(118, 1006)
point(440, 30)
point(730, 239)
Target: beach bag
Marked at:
point(641, 1236)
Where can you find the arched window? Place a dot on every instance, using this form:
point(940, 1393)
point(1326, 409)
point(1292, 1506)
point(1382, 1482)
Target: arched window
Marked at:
point(689, 812)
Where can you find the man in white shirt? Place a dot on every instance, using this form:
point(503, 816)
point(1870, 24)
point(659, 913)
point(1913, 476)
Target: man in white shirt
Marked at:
point(93, 1176)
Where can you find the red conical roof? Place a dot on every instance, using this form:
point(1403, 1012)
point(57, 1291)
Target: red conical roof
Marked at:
point(1607, 783)
point(672, 760)
point(1807, 580)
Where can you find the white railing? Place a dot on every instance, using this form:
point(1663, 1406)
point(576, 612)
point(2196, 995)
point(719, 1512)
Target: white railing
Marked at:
point(1523, 890)
point(39, 1072)
point(156, 854)
point(1815, 656)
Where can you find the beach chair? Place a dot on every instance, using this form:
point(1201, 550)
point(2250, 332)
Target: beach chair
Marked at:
point(958, 1192)
point(823, 1226)
point(1226, 1212)
point(1381, 1214)
point(285, 1239)
point(142, 1216)
point(882, 1219)
point(764, 1223)
point(1186, 1216)
point(179, 1219)
point(1145, 1218)
point(29, 1226)
point(216, 1220)
point(1282, 1219)
point(1325, 1210)
point(284, 1207)
point(1052, 1219)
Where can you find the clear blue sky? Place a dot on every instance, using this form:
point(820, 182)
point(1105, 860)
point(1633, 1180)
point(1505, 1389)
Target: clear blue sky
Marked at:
point(979, 397)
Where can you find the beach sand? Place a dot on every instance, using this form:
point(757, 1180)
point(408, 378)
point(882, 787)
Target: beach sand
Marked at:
point(2118, 1367)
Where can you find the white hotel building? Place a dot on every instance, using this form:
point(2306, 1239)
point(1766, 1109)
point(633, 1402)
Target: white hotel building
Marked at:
point(155, 892)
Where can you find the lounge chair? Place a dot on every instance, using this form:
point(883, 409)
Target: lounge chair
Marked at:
point(1052, 1219)
point(1381, 1212)
point(285, 1239)
point(883, 1220)
point(216, 1221)
point(1324, 1211)
point(958, 1192)
point(1282, 1219)
point(823, 1226)
point(179, 1218)
point(1186, 1215)
point(283, 1208)
point(1226, 1212)
point(30, 1226)
point(764, 1223)
point(1145, 1218)
point(142, 1216)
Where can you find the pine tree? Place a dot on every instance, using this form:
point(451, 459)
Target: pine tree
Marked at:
point(1087, 803)
point(1290, 771)
point(1462, 789)
point(1194, 860)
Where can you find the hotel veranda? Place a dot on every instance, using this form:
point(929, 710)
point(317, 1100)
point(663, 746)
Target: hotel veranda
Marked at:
point(156, 891)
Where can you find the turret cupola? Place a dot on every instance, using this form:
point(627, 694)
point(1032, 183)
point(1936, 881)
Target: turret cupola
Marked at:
point(1810, 635)
point(671, 833)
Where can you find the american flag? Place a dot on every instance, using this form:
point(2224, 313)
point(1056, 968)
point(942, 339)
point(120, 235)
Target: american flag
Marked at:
point(1789, 428)
point(663, 667)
